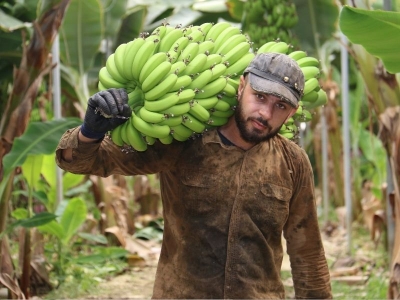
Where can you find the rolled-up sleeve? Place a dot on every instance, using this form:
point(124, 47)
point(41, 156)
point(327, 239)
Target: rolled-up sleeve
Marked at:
point(104, 158)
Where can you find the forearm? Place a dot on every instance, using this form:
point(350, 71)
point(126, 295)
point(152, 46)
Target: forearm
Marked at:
point(66, 154)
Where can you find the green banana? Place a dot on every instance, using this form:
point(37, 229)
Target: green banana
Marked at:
point(212, 60)
point(222, 105)
point(135, 98)
point(171, 121)
point(169, 39)
point(238, 67)
point(217, 121)
point(232, 101)
point(195, 65)
point(230, 43)
point(320, 101)
point(163, 102)
point(208, 103)
point(160, 31)
point(266, 47)
point(167, 140)
point(101, 87)
point(116, 136)
point(189, 52)
point(162, 88)
point(142, 56)
point(201, 80)
point(280, 47)
point(222, 114)
point(218, 70)
point(178, 67)
point(308, 61)
point(212, 88)
point(296, 55)
point(234, 82)
point(288, 135)
point(192, 123)
point(129, 55)
point(149, 140)
point(216, 30)
point(235, 53)
point(151, 116)
point(177, 109)
point(206, 47)
point(309, 98)
point(135, 138)
point(124, 135)
point(119, 59)
point(196, 36)
point(156, 76)
point(108, 81)
point(310, 72)
point(181, 83)
point(310, 85)
point(229, 90)
point(179, 138)
point(182, 131)
point(205, 28)
point(153, 130)
point(186, 95)
point(153, 62)
point(198, 111)
point(180, 44)
point(224, 36)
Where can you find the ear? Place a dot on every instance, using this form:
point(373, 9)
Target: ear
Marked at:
point(242, 84)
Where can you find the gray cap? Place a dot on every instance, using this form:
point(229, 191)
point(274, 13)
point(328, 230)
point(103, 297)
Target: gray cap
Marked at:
point(276, 74)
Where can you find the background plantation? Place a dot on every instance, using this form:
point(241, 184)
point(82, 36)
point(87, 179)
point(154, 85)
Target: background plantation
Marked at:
point(66, 233)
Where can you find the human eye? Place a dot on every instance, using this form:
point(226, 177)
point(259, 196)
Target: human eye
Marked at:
point(281, 106)
point(260, 96)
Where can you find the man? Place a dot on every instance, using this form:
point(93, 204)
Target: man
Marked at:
point(227, 195)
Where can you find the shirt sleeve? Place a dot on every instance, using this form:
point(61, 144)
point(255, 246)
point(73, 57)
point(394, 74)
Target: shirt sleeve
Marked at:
point(304, 244)
point(104, 158)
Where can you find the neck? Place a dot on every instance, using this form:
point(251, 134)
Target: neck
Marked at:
point(231, 132)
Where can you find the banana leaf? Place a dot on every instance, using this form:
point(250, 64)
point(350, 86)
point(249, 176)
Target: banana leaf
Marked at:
point(81, 34)
point(377, 31)
point(39, 138)
point(317, 23)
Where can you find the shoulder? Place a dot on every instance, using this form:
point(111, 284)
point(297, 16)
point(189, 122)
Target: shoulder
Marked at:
point(291, 148)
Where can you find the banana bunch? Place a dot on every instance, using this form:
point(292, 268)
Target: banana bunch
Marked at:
point(180, 81)
point(313, 94)
point(268, 20)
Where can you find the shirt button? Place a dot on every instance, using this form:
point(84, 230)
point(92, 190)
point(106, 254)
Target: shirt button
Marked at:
point(228, 287)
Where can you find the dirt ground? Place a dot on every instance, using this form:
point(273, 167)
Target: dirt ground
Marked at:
point(137, 283)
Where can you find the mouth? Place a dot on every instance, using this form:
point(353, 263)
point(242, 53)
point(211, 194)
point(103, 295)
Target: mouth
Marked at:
point(259, 124)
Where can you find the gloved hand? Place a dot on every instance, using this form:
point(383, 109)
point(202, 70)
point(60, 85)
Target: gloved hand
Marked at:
point(106, 110)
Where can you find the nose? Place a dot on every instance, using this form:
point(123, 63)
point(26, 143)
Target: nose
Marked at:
point(266, 110)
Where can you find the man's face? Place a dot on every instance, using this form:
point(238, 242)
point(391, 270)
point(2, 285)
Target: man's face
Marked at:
point(260, 116)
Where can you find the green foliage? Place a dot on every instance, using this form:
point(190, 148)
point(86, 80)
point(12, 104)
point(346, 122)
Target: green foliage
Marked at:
point(371, 29)
point(80, 34)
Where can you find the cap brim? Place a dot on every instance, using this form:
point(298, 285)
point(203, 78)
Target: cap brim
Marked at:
point(269, 86)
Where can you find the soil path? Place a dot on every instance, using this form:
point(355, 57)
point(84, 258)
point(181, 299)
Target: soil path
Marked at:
point(137, 282)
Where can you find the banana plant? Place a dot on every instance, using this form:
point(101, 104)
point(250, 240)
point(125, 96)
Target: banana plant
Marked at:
point(370, 32)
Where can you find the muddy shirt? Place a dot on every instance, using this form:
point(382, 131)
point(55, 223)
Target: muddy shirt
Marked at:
point(224, 213)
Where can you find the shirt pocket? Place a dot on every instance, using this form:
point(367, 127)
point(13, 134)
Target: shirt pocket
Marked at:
point(277, 192)
point(200, 191)
point(275, 205)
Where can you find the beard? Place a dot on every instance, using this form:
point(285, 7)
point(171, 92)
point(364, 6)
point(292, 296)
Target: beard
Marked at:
point(253, 136)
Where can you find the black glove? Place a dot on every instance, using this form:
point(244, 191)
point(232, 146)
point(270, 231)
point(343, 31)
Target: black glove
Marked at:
point(106, 110)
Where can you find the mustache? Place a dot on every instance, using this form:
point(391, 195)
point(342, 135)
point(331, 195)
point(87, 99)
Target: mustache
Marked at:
point(262, 121)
